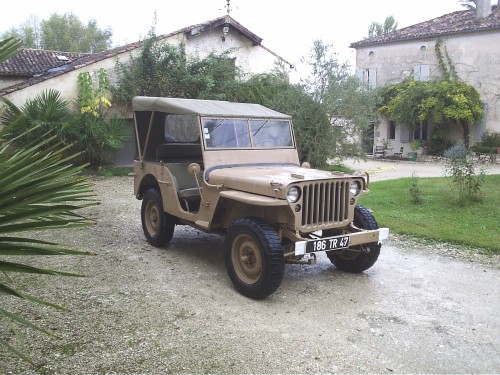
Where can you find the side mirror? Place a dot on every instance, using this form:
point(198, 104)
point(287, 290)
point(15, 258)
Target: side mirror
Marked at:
point(306, 165)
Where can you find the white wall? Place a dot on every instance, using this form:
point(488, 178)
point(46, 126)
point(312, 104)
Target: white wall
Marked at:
point(476, 58)
point(251, 59)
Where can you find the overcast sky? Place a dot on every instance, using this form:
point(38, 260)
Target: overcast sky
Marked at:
point(288, 28)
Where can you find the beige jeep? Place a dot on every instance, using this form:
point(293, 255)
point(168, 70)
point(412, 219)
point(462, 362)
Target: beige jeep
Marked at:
point(233, 169)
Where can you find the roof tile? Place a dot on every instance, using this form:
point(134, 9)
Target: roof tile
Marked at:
point(458, 22)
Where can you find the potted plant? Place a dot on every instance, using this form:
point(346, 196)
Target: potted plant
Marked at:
point(415, 145)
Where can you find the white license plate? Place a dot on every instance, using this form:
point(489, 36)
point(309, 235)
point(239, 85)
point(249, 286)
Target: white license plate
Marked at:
point(327, 244)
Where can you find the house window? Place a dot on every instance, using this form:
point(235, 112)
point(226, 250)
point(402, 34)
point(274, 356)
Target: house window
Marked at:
point(420, 131)
point(368, 76)
point(421, 72)
point(392, 130)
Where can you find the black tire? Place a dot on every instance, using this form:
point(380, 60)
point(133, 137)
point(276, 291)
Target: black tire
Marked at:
point(254, 258)
point(354, 261)
point(158, 226)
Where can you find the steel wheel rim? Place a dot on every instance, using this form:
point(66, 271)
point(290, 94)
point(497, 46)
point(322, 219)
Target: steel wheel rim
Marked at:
point(246, 259)
point(152, 218)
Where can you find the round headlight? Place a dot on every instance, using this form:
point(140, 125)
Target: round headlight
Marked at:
point(293, 194)
point(355, 188)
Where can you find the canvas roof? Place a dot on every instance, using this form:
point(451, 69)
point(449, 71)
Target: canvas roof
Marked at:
point(203, 107)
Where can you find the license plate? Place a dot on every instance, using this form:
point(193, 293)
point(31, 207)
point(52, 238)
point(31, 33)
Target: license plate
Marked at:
point(327, 244)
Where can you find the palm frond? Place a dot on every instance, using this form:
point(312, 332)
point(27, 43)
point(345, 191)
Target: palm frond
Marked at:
point(41, 190)
point(9, 47)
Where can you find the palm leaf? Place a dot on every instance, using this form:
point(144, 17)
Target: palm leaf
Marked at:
point(41, 190)
point(9, 47)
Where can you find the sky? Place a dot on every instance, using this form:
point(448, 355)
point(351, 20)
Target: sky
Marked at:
point(288, 28)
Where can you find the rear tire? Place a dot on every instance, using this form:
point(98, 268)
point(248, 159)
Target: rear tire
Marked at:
point(355, 261)
point(254, 258)
point(158, 226)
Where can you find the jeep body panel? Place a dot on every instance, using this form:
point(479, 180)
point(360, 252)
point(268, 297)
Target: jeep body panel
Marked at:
point(234, 169)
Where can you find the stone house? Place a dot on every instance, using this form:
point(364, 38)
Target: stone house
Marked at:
point(472, 41)
point(32, 71)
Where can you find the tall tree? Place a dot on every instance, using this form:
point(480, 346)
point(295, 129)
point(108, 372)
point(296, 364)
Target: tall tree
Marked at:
point(62, 33)
point(349, 103)
point(388, 26)
point(67, 33)
point(28, 32)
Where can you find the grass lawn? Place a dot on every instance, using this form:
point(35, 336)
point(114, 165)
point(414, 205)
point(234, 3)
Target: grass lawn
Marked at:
point(439, 217)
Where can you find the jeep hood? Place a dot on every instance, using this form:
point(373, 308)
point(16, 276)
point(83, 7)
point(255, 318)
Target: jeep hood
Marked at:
point(267, 180)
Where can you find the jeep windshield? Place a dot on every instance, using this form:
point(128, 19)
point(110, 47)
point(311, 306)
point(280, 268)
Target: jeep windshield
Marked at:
point(246, 133)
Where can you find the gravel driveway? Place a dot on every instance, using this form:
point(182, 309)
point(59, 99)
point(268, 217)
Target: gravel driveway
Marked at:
point(423, 308)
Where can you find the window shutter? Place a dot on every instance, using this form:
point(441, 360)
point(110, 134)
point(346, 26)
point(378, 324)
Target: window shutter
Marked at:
point(416, 73)
point(405, 133)
point(372, 77)
point(425, 72)
point(359, 74)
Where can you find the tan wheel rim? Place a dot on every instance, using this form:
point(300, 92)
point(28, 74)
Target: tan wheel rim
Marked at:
point(152, 218)
point(246, 259)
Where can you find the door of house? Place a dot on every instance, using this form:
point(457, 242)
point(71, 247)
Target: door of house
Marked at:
point(368, 137)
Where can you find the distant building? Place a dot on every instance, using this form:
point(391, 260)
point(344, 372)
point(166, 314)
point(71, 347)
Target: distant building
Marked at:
point(472, 39)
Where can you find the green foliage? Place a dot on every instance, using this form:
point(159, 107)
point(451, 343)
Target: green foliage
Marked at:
point(348, 103)
point(47, 112)
point(311, 124)
point(489, 144)
point(330, 94)
point(439, 218)
point(62, 33)
point(67, 33)
point(28, 32)
point(443, 103)
point(415, 191)
point(376, 28)
point(90, 132)
point(9, 47)
point(162, 69)
point(41, 190)
point(97, 135)
point(491, 139)
point(464, 180)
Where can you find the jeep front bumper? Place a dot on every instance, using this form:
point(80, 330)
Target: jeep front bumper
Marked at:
point(342, 241)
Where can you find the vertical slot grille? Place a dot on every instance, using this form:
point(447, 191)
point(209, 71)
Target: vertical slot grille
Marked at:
point(325, 203)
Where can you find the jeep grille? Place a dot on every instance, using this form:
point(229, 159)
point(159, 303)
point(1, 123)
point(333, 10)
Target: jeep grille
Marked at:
point(324, 203)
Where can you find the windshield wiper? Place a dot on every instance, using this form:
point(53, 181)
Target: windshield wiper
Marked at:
point(258, 130)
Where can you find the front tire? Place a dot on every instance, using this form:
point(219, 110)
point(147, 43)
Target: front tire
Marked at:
point(254, 258)
point(356, 261)
point(158, 226)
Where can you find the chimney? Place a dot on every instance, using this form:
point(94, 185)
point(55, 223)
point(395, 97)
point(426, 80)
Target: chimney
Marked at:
point(483, 8)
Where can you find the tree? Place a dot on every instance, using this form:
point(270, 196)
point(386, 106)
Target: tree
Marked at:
point(95, 134)
point(28, 32)
point(67, 33)
point(62, 33)
point(443, 103)
point(377, 29)
point(164, 70)
point(88, 131)
point(40, 191)
point(349, 103)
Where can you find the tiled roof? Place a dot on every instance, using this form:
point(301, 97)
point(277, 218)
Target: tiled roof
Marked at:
point(460, 22)
point(30, 67)
point(33, 62)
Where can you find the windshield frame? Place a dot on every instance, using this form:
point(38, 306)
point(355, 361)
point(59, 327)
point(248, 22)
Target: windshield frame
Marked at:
point(246, 133)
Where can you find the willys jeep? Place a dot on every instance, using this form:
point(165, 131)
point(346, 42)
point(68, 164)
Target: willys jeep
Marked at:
point(233, 169)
